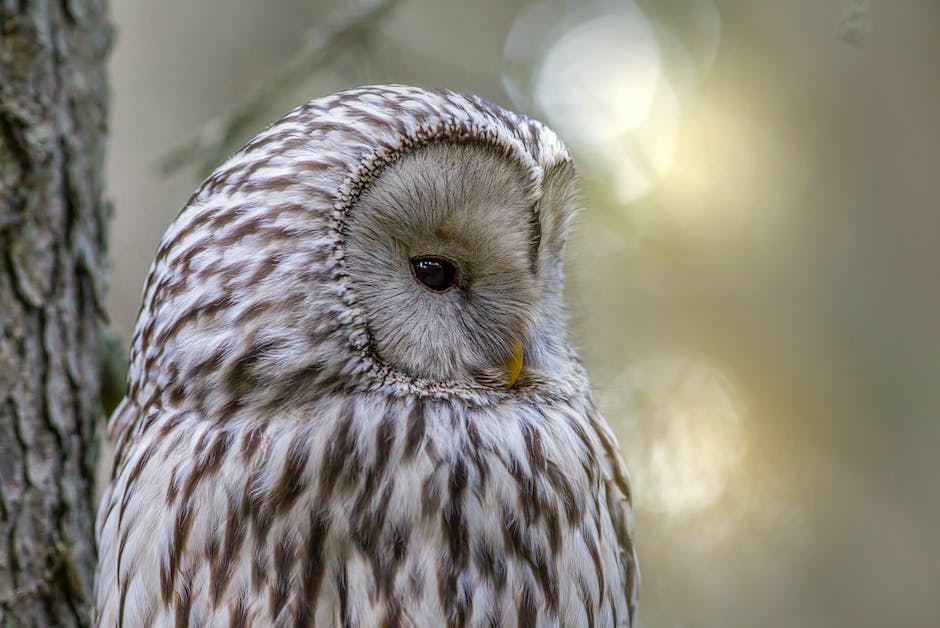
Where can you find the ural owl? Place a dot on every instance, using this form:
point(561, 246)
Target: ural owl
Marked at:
point(352, 399)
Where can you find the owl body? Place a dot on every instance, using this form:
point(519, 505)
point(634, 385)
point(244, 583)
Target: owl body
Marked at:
point(320, 427)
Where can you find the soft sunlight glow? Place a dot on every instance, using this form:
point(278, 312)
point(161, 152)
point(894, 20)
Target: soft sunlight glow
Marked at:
point(637, 161)
point(599, 80)
point(692, 439)
point(602, 86)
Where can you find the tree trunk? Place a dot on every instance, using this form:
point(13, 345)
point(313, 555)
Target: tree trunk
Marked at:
point(53, 218)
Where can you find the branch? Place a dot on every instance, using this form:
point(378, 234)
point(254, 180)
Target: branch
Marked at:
point(322, 42)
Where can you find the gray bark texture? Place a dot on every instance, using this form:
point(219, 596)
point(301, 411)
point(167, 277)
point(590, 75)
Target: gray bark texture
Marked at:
point(53, 217)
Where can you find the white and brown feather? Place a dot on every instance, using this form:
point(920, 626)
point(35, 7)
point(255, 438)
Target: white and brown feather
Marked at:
point(273, 468)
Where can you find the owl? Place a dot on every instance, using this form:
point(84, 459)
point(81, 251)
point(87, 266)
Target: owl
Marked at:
point(352, 400)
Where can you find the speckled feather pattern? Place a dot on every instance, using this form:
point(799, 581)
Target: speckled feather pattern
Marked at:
point(272, 469)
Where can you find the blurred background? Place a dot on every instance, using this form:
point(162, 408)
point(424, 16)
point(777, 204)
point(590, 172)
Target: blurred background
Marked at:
point(753, 283)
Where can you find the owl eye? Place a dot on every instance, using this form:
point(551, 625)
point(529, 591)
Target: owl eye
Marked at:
point(435, 273)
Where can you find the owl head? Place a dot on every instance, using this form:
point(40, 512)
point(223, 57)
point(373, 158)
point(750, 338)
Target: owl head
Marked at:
point(385, 238)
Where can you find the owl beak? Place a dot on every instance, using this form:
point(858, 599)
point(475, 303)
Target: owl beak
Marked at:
point(513, 364)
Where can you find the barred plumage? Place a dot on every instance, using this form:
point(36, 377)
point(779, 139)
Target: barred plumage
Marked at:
point(311, 438)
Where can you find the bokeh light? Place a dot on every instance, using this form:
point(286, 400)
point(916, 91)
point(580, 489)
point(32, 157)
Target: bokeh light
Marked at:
point(691, 439)
point(575, 85)
point(610, 80)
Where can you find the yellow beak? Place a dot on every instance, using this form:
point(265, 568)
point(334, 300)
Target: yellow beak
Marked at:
point(513, 364)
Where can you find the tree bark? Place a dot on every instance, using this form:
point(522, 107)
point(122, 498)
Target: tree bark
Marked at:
point(53, 99)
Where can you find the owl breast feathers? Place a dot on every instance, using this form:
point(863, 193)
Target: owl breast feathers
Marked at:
point(352, 399)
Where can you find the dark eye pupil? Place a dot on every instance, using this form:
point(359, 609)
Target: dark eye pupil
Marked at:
point(435, 273)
